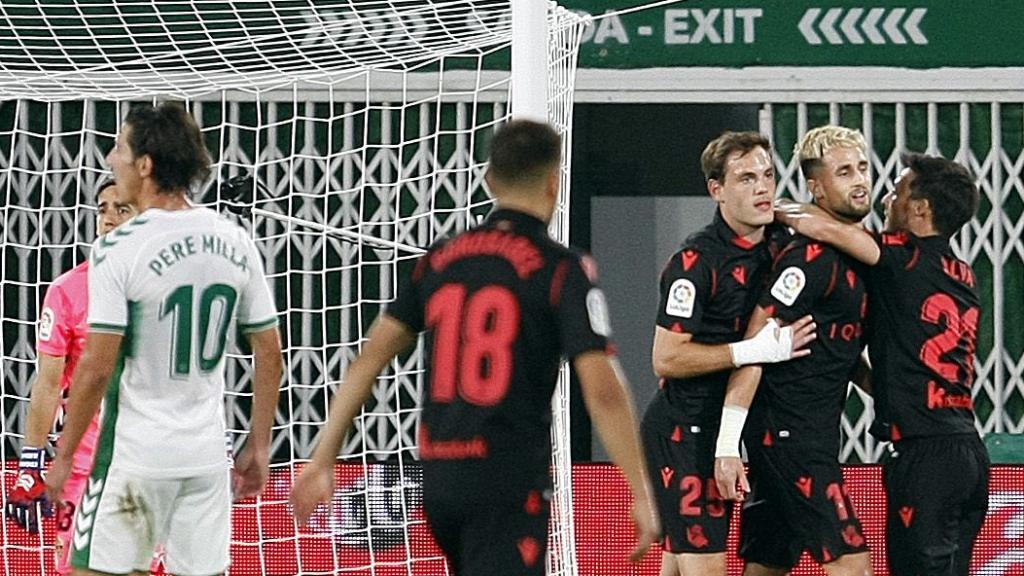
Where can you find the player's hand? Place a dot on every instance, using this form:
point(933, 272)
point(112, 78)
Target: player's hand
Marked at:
point(314, 485)
point(27, 502)
point(731, 478)
point(804, 331)
point(648, 527)
point(252, 467)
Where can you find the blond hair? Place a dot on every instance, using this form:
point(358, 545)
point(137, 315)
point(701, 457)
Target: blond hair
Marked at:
point(817, 142)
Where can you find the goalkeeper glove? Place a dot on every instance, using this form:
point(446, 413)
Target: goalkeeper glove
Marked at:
point(770, 344)
point(28, 501)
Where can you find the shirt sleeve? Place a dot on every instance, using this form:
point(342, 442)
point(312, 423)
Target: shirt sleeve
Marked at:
point(256, 310)
point(55, 323)
point(687, 284)
point(581, 308)
point(407, 308)
point(108, 293)
point(896, 250)
point(801, 276)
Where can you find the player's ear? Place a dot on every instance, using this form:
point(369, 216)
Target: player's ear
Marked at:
point(814, 187)
point(922, 207)
point(714, 189)
point(144, 164)
point(554, 182)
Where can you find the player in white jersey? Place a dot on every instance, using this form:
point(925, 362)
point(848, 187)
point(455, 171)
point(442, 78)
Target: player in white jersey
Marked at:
point(61, 338)
point(164, 290)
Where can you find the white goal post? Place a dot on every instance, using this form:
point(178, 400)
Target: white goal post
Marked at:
point(366, 125)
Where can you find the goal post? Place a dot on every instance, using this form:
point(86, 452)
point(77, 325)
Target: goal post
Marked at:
point(366, 127)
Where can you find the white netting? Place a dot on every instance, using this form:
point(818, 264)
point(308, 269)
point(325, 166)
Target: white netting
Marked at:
point(366, 124)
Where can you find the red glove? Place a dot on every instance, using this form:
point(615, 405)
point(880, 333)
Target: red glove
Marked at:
point(28, 501)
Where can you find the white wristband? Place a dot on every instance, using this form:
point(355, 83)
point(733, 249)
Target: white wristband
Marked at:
point(730, 431)
point(770, 344)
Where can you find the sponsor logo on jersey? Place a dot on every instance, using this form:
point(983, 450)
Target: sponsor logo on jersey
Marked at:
point(789, 285)
point(46, 321)
point(681, 297)
point(597, 310)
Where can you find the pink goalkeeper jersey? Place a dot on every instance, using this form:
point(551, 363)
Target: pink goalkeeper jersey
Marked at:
point(63, 325)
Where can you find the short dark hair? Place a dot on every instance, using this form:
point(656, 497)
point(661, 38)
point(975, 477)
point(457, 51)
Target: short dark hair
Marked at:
point(524, 152)
point(717, 152)
point(948, 187)
point(103, 185)
point(171, 137)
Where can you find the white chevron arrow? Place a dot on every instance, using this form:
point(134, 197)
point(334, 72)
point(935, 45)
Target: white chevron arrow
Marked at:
point(827, 26)
point(880, 26)
point(892, 28)
point(869, 26)
point(912, 26)
point(849, 26)
point(806, 26)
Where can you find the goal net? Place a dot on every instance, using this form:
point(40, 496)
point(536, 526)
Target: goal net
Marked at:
point(348, 135)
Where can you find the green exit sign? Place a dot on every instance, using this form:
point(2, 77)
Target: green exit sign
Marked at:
point(914, 33)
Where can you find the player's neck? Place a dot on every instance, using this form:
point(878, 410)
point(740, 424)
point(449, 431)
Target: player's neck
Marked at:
point(526, 206)
point(752, 234)
point(169, 201)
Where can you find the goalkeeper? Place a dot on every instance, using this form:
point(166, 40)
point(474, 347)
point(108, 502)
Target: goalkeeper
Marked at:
point(61, 338)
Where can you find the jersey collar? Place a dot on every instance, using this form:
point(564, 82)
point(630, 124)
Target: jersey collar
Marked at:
point(729, 236)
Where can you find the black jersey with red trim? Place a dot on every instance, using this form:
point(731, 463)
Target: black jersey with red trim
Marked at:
point(804, 397)
point(708, 289)
point(502, 303)
point(925, 317)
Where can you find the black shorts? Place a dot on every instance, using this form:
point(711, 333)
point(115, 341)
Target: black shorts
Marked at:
point(937, 491)
point(502, 530)
point(798, 502)
point(694, 517)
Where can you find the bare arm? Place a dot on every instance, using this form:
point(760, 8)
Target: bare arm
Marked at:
point(676, 355)
point(730, 475)
point(45, 399)
point(266, 348)
point(386, 338)
point(92, 376)
point(611, 409)
point(811, 221)
point(252, 468)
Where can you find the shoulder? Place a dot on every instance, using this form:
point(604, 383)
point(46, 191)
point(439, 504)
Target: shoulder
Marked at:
point(116, 244)
point(70, 279)
point(801, 249)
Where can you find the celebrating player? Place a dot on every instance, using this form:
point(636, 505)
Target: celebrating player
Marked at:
point(708, 290)
point(61, 337)
point(925, 317)
point(503, 304)
point(163, 290)
point(799, 500)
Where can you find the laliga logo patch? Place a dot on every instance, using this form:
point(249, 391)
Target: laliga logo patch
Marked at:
point(681, 297)
point(46, 320)
point(597, 310)
point(789, 285)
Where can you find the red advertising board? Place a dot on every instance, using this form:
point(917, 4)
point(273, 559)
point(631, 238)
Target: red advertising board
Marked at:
point(377, 520)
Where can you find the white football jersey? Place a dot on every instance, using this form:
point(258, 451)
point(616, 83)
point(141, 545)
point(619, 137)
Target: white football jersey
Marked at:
point(175, 284)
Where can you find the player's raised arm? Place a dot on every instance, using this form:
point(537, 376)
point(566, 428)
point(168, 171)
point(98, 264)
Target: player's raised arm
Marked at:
point(813, 222)
point(386, 338)
point(611, 409)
